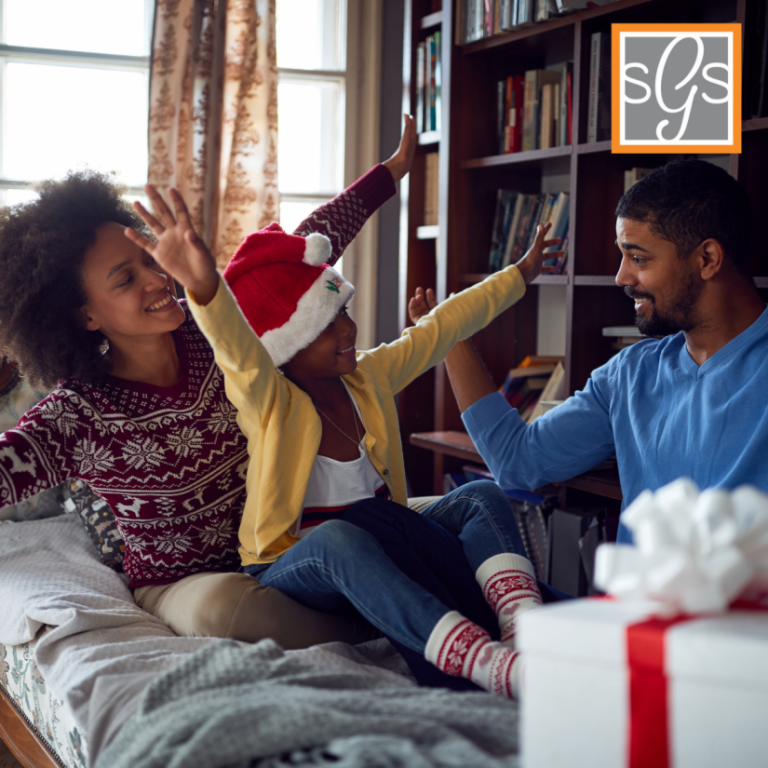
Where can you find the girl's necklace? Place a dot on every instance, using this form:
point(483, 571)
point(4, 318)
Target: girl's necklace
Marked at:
point(354, 416)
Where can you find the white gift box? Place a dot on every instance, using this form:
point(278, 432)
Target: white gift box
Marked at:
point(606, 685)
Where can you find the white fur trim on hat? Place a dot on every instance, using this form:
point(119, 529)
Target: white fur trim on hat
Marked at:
point(317, 250)
point(314, 311)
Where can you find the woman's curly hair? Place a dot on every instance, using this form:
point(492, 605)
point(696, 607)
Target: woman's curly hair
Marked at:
point(42, 248)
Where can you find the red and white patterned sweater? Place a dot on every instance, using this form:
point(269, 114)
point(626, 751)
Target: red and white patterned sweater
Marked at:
point(170, 461)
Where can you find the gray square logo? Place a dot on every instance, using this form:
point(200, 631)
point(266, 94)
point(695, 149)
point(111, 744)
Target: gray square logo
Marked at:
point(676, 88)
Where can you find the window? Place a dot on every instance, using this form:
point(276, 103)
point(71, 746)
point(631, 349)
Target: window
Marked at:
point(311, 61)
point(74, 85)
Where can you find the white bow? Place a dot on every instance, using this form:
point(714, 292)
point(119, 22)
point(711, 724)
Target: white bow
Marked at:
point(693, 553)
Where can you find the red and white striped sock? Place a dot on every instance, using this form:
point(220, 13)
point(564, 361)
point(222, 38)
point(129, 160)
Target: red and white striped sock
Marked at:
point(509, 586)
point(462, 649)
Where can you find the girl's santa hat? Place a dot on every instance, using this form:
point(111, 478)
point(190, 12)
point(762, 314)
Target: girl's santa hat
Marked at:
point(285, 288)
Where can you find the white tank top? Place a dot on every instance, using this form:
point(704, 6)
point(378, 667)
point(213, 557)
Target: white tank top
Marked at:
point(334, 486)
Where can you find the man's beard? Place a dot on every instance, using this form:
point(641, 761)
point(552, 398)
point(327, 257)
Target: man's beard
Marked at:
point(680, 315)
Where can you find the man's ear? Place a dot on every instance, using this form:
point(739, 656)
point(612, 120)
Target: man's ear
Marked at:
point(711, 257)
point(88, 322)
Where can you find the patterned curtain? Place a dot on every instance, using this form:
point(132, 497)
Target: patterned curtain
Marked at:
point(213, 115)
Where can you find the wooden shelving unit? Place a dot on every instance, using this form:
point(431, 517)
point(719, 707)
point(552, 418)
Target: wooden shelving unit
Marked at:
point(471, 173)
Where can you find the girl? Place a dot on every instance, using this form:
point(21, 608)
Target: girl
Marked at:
point(139, 410)
point(322, 432)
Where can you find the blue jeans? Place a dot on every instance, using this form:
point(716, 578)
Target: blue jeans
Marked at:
point(402, 571)
point(339, 564)
point(479, 515)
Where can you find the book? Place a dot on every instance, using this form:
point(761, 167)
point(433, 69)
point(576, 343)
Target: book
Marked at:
point(518, 89)
point(578, 5)
point(564, 105)
point(599, 113)
point(554, 390)
point(431, 188)
point(756, 59)
point(523, 384)
point(501, 116)
point(633, 175)
point(509, 117)
point(547, 112)
point(515, 224)
point(421, 54)
point(570, 103)
point(430, 101)
point(560, 220)
point(488, 18)
point(505, 200)
point(438, 80)
point(535, 80)
point(509, 245)
point(530, 360)
point(524, 12)
point(529, 139)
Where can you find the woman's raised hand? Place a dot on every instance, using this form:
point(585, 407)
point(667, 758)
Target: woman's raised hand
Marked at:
point(179, 250)
point(400, 163)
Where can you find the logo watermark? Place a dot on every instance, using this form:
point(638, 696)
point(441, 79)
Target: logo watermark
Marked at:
point(676, 88)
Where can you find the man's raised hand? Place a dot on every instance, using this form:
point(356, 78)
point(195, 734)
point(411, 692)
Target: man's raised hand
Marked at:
point(531, 264)
point(178, 250)
point(422, 303)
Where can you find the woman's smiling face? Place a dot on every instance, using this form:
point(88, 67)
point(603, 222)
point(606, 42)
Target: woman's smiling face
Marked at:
point(128, 294)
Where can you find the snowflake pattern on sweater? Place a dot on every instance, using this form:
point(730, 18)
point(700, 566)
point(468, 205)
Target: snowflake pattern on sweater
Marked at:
point(170, 461)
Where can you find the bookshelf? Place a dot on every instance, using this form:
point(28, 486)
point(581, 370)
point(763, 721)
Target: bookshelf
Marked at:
point(470, 171)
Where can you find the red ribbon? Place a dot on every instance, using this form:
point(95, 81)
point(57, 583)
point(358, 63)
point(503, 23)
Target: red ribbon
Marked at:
point(649, 743)
point(649, 732)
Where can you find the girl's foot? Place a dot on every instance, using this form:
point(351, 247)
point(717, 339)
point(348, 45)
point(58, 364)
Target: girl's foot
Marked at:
point(460, 648)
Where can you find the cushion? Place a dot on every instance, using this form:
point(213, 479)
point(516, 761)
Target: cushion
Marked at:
point(99, 521)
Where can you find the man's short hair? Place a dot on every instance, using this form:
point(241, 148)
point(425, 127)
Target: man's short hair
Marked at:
point(689, 201)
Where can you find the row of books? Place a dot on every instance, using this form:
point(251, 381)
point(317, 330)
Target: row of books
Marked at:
point(483, 18)
point(514, 228)
point(538, 380)
point(534, 111)
point(428, 84)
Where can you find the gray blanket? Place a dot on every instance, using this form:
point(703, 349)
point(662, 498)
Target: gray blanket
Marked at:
point(232, 705)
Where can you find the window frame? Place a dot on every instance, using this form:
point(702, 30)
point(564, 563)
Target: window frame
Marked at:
point(67, 58)
point(362, 94)
point(340, 28)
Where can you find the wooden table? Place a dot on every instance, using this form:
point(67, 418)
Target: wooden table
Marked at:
point(601, 482)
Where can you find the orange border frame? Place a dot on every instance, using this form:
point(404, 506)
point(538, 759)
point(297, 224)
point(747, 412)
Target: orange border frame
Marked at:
point(677, 149)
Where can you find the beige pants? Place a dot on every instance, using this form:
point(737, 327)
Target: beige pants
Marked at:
point(235, 605)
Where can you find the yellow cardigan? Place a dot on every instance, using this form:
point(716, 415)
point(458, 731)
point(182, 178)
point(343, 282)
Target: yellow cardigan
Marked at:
point(282, 426)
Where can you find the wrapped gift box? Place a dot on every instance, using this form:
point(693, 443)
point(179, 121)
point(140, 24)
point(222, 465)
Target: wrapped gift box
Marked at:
point(607, 685)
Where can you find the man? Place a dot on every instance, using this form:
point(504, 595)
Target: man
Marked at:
point(692, 403)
